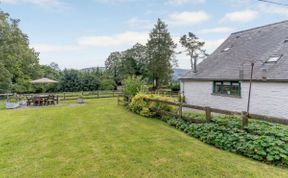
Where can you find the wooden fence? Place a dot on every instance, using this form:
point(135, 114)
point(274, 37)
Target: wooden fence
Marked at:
point(208, 113)
point(85, 95)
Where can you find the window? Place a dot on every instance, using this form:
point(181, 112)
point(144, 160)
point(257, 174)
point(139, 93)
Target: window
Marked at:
point(231, 88)
point(272, 59)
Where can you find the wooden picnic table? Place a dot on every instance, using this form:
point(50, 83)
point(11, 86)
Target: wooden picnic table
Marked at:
point(42, 100)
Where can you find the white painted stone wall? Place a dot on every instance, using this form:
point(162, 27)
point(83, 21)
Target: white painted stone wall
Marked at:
point(267, 98)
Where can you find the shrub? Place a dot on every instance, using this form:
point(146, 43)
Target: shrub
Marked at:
point(107, 84)
point(227, 135)
point(147, 109)
point(175, 86)
point(132, 85)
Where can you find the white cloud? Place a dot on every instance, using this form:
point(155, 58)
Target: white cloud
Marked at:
point(188, 18)
point(241, 16)
point(48, 48)
point(273, 9)
point(139, 23)
point(54, 3)
point(186, 1)
point(212, 45)
point(217, 30)
point(126, 38)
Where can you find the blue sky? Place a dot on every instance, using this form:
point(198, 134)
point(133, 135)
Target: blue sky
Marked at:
point(79, 34)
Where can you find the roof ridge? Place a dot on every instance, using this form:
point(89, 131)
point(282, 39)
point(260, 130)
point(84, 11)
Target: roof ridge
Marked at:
point(255, 28)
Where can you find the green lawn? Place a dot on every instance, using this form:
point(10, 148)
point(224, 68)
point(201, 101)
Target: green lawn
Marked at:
point(101, 139)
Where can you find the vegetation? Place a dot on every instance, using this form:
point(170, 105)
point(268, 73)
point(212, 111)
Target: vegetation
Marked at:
point(160, 50)
point(194, 49)
point(18, 62)
point(132, 85)
point(93, 140)
point(147, 109)
point(261, 141)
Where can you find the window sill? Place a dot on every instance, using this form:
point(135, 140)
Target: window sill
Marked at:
point(224, 95)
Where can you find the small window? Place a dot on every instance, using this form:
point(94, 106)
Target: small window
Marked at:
point(230, 88)
point(273, 59)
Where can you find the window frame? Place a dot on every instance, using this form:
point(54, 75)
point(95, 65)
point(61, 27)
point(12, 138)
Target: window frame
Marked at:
point(273, 61)
point(224, 85)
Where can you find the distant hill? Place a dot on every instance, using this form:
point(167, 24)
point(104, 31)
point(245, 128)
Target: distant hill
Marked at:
point(179, 73)
point(91, 69)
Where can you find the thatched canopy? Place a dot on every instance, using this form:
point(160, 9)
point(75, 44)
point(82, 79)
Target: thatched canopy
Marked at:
point(43, 81)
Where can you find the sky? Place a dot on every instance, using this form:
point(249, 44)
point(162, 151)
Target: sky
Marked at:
point(79, 34)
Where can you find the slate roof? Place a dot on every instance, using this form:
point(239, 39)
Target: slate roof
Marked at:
point(257, 45)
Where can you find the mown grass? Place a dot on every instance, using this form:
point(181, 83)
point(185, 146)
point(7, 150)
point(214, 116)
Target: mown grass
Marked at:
point(101, 139)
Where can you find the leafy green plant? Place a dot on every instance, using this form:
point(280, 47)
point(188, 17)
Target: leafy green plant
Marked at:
point(146, 108)
point(132, 85)
point(175, 86)
point(262, 141)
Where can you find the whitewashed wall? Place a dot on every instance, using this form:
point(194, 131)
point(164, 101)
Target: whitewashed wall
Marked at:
point(267, 98)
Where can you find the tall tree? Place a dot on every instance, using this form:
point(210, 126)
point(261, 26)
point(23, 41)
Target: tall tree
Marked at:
point(21, 62)
point(113, 65)
point(160, 50)
point(194, 49)
point(133, 61)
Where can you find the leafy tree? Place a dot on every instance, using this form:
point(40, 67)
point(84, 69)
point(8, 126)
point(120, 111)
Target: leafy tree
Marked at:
point(89, 81)
point(19, 62)
point(5, 79)
point(194, 49)
point(70, 81)
point(134, 61)
point(160, 50)
point(113, 64)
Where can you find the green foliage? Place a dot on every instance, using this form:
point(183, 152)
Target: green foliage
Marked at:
point(260, 141)
point(107, 84)
point(175, 86)
point(140, 106)
point(75, 80)
point(194, 48)
point(181, 98)
point(19, 62)
point(160, 50)
point(132, 85)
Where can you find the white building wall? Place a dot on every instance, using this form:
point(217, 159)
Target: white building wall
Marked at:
point(266, 99)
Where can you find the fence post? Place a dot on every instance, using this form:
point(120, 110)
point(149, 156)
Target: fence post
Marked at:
point(208, 114)
point(244, 119)
point(64, 97)
point(113, 93)
point(180, 110)
point(98, 94)
point(118, 97)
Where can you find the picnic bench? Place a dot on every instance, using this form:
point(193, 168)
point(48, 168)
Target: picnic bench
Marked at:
point(42, 100)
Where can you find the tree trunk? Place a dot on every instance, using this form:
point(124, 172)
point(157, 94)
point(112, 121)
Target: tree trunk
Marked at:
point(157, 83)
point(191, 61)
point(195, 66)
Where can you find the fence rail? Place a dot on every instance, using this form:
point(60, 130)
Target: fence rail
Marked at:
point(209, 110)
point(86, 95)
